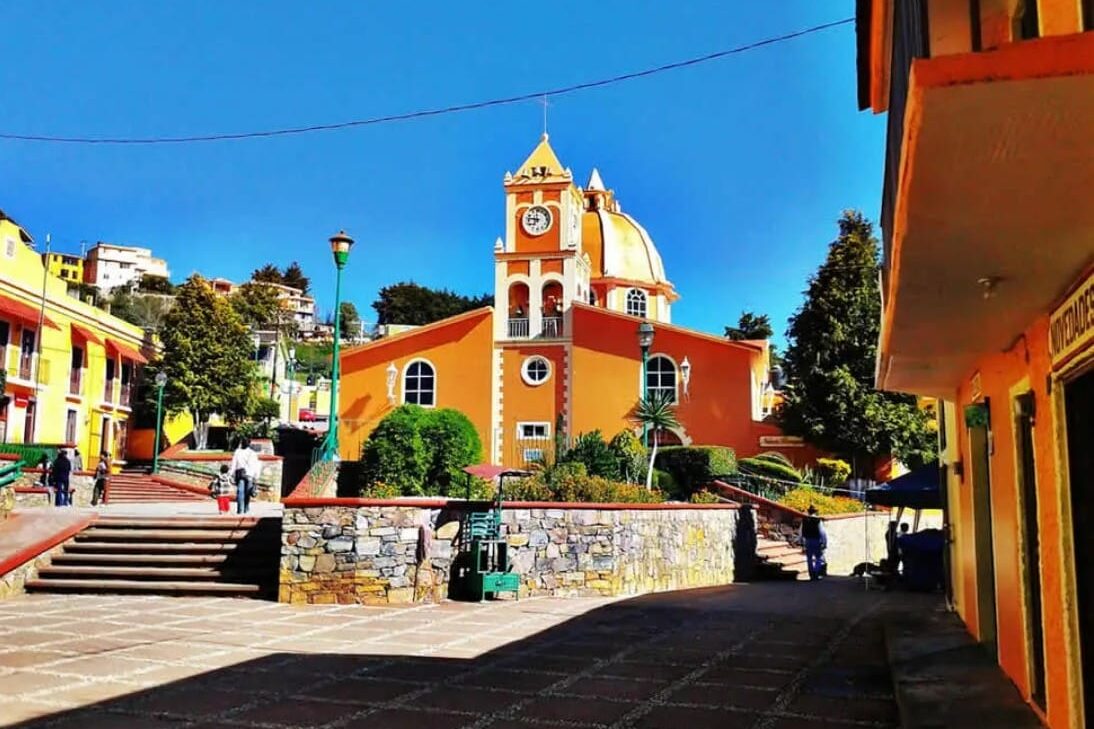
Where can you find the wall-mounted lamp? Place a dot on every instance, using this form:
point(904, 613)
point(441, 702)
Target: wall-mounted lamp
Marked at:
point(685, 375)
point(392, 375)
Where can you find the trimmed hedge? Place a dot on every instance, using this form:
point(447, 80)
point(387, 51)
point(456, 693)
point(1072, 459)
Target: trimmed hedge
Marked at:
point(575, 486)
point(693, 467)
point(765, 468)
point(804, 497)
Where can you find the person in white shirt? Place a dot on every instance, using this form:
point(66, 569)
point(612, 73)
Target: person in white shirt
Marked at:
point(244, 470)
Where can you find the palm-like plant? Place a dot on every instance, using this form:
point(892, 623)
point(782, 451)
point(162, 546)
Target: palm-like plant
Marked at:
point(656, 412)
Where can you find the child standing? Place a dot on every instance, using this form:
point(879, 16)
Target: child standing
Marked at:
point(221, 489)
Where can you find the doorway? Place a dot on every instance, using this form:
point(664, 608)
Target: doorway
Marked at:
point(1024, 414)
point(1078, 406)
point(28, 422)
point(980, 470)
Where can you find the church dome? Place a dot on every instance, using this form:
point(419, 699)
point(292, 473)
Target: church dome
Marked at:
point(617, 245)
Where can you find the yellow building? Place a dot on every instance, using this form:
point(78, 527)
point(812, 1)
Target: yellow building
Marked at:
point(68, 268)
point(70, 369)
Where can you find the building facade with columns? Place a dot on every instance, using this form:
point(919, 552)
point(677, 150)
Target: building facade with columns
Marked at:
point(574, 277)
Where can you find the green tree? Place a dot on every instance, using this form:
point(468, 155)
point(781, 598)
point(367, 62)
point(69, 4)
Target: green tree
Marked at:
point(207, 354)
point(351, 320)
point(269, 273)
point(293, 275)
point(830, 398)
point(395, 454)
point(656, 413)
point(751, 326)
point(411, 303)
point(256, 304)
point(155, 285)
point(596, 455)
point(451, 442)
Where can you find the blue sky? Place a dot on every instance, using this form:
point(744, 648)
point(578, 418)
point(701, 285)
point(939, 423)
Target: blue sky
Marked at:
point(738, 168)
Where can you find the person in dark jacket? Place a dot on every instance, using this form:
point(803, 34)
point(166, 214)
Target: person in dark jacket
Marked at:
point(62, 470)
point(816, 541)
point(102, 473)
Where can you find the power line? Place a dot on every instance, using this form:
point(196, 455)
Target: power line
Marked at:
point(535, 95)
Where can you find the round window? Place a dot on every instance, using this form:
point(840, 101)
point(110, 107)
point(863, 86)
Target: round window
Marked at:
point(535, 370)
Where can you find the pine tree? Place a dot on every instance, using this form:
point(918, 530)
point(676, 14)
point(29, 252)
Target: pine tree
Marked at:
point(751, 326)
point(830, 399)
point(207, 357)
point(294, 276)
point(269, 273)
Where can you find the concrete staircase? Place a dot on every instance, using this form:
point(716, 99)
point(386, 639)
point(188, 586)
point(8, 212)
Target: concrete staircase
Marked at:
point(217, 555)
point(779, 560)
point(136, 487)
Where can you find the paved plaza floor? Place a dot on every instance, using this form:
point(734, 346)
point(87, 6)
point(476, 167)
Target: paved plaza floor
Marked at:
point(764, 656)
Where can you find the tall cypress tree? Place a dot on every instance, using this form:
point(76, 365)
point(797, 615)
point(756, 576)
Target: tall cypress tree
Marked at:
point(830, 399)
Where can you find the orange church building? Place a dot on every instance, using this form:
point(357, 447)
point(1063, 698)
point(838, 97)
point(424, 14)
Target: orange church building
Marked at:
point(574, 277)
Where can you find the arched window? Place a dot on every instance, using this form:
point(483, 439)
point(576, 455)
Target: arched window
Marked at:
point(636, 303)
point(661, 378)
point(420, 384)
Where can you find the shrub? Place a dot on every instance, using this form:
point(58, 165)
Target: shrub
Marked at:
point(631, 456)
point(765, 468)
point(395, 454)
point(451, 442)
point(664, 482)
point(381, 490)
point(774, 457)
point(833, 471)
point(574, 486)
point(804, 497)
point(421, 452)
point(704, 497)
point(597, 456)
point(693, 467)
point(265, 408)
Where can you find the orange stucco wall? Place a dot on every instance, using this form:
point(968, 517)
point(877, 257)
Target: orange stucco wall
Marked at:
point(999, 374)
point(522, 402)
point(607, 380)
point(460, 351)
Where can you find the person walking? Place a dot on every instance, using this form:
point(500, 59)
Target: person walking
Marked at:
point(62, 470)
point(816, 541)
point(244, 470)
point(102, 473)
point(221, 489)
point(77, 461)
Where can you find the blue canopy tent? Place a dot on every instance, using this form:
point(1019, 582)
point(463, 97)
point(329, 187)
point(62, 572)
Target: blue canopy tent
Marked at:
point(918, 489)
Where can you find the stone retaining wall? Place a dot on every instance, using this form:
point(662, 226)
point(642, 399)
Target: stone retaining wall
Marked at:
point(349, 550)
point(857, 538)
point(14, 582)
point(29, 495)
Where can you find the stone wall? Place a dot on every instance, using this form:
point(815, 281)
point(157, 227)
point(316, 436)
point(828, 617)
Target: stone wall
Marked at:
point(14, 582)
point(857, 538)
point(29, 495)
point(201, 472)
point(351, 550)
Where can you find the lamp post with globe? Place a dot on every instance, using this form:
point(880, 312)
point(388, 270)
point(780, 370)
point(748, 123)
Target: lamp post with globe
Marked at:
point(340, 245)
point(161, 381)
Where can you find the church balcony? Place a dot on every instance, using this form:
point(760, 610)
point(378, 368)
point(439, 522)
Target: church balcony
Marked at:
point(553, 327)
point(519, 329)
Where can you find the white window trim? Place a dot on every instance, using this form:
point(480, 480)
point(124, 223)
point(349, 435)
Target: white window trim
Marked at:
point(524, 370)
point(546, 429)
point(645, 303)
point(676, 379)
point(406, 371)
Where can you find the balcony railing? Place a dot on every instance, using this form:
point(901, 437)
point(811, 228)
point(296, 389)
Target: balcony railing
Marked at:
point(75, 381)
point(553, 327)
point(126, 391)
point(519, 329)
point(108, 391)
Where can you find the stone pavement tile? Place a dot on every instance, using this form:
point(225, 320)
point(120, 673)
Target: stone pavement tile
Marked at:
point(100, 719)
point(242, 679)
point(575, 709)
point(27, 658)
point(20, 710)
point(738, 697)
point(627, 689)
point(186, 701)
point(297, 713)
point(360, 690)
point(466, 699)
point(857, 708)
point(512, 680)
point(734, 676)
point(546, 662)
point(324, 664)
point(30, 638)
point(782, 663)
point(168, 674)
point(102, 666)
point(27, 682)
point(423, 671)
point(682, 717)
point(408, 719)
point(304, 644)
point(88, 692)
point(152, 635)
point(629, 669)
point(90, 644)
point(169, 651)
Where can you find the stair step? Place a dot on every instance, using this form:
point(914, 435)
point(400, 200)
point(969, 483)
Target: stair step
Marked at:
point(181, 522)
point(133, 586)
point(115, 572)
point(65, 559)
point(96, 533)
point(153, 547)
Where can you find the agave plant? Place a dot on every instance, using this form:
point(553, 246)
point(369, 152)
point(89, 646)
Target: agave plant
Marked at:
point(655, 413)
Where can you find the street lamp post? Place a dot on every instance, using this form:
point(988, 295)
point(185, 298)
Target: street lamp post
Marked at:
point(645, 341)
point(161, 380)
point(340, 244)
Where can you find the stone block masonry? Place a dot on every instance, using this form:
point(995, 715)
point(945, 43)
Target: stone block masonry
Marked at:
point(357, 551)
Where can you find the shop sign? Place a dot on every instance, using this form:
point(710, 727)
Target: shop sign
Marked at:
point(1071, 325)
point(781, 441)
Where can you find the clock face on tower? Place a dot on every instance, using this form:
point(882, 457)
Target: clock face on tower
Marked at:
point(536, 220)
